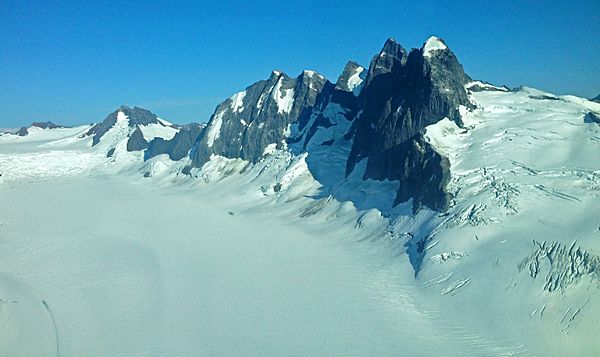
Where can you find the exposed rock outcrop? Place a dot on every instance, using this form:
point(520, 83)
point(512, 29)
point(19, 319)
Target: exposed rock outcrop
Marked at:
point(591, 118)
point(136, 141)
point(245, 124)
point(404, 93)
point(380, 115)
point(179, 146)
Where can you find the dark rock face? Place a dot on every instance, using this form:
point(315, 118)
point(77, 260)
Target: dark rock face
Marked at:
point(38, 124)
point(341, 97)
point(245, 124)
point(597, 99)
point(179, 146)
point(137, 116)
point(23, 131)
point(591, 118)
point(403, 95)
point(136, 141)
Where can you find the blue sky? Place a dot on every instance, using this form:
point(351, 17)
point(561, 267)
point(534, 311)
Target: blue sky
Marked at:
point(75, 61)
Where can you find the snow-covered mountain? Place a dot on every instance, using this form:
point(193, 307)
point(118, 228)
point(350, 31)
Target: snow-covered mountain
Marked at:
point(37, 126)
point(131, 129)
point(489, 196)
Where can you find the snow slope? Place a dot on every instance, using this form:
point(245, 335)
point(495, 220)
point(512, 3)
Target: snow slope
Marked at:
point(117, 256)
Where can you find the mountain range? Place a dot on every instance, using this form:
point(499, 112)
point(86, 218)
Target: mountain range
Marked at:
point(474, 183)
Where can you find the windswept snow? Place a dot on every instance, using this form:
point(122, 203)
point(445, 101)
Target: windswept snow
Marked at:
point(433, 44)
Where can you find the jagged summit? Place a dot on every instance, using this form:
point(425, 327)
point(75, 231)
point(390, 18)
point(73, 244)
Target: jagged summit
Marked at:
point(351, 78)
point(245, 124)
point(378, 115)
point(391, 56)
point(391, 46)
point(46, 125)
point(404, 94)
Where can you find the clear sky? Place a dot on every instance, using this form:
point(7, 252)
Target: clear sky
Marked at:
point(76, 61)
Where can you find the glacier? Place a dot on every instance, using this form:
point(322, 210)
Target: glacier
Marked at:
point(289, 254)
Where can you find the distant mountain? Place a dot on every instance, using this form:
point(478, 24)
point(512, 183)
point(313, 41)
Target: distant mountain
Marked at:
point(597, 99)
point(41, 125)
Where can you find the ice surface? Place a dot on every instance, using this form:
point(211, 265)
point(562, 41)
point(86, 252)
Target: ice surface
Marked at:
point(182, 270)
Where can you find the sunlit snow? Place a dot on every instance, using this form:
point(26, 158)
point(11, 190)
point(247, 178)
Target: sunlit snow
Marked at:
point(121, 256)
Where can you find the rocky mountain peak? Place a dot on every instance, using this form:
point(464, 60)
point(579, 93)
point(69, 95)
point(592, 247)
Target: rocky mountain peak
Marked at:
point(391, 57)
point(351, 78)
point(380, 114)
point(136, 116)
point(403, 95)
point(261, 115)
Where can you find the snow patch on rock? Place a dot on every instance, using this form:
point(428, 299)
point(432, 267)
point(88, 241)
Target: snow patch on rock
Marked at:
point(356, 80)
point(214, 130)
point(237, 102)
point(433, 44)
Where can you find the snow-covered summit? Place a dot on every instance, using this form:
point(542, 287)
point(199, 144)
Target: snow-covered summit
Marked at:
point(433, 44)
